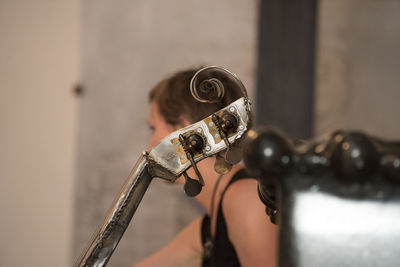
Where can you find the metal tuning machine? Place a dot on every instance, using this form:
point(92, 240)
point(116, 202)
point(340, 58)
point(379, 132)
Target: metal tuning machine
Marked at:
point(228, 124)
point(187, 146)
point(209, 85)
point(192, 145)
point(219, 132)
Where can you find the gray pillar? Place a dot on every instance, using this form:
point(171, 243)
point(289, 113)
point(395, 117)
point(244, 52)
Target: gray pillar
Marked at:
point(285, 77)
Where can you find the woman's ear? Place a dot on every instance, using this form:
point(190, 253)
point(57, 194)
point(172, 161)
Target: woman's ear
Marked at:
point(183, 122)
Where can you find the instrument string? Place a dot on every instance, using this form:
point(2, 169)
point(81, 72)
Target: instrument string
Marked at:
point(213, 197)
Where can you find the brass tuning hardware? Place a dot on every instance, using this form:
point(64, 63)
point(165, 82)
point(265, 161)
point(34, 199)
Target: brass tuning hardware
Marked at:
point(192, 145)
point(221, 166)
point(221, 132)
point(227, 124)
point(234, 153)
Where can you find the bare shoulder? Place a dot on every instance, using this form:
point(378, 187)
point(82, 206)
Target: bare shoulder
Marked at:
point(249, 227)
point(184, 250)
point(241, 198)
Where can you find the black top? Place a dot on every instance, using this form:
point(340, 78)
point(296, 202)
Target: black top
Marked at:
point(220, 251)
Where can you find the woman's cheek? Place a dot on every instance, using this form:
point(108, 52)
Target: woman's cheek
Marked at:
point(153, 141)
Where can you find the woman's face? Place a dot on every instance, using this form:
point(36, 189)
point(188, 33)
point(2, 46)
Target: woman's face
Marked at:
point(159, 127)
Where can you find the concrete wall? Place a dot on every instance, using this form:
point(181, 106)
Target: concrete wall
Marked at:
point(358, 81)
point(128, 46)
point(39, 66)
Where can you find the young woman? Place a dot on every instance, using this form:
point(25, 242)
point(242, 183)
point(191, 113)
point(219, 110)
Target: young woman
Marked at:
point(236, 230)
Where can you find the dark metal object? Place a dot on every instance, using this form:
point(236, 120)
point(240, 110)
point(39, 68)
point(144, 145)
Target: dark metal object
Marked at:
point(228, 124)
point(337, 199)
point(192, 187)
point(192, 145)
point(222, 133)
point(268, 154)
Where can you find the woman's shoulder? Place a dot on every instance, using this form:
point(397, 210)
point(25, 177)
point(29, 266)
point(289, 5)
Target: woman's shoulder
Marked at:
point(249, 228)
point(240, 202)
point(241, 196)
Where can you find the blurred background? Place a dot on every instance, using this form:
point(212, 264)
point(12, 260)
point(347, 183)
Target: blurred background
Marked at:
point(74, 79)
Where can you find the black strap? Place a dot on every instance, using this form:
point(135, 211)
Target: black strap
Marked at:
point(206, 238)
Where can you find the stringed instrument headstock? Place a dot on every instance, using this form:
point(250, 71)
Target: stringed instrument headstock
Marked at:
point(222, 130)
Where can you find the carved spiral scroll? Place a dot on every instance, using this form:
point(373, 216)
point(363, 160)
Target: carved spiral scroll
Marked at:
point(208, 85)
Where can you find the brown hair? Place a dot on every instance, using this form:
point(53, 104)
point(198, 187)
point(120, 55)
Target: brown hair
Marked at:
point(174, 99)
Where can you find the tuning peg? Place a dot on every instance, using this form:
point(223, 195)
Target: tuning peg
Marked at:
point(192, 187)
point(229, 122)
point(221, 166)
point(234, 154)
point(192, 144)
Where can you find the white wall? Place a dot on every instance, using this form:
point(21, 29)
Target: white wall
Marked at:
point(39, 61)
point(358, 62)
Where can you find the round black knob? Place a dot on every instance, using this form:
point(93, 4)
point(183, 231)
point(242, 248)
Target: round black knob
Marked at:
point(195, 143)
point(390, 166)
point(229, 122)
point(267, 152)
point(354, 157)
point(313, 160)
